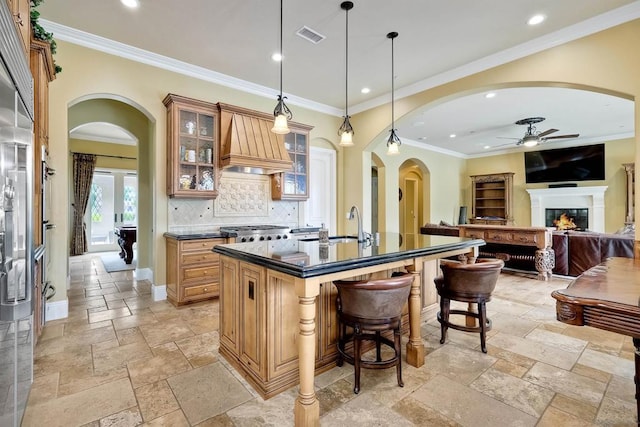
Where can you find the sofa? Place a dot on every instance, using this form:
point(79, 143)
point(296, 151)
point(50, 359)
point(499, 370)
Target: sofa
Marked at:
point(575, 251)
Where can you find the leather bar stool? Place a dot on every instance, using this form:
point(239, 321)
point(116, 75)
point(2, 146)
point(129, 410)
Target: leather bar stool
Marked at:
point(369, 308)
point(470, 283)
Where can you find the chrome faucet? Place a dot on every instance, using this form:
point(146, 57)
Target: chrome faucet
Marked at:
point(354, 212)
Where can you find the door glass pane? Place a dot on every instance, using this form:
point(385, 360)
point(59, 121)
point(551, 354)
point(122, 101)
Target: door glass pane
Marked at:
point(102, 211)
point(130, 200)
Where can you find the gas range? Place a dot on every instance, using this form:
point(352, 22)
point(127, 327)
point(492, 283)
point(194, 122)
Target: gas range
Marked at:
point(253, 233)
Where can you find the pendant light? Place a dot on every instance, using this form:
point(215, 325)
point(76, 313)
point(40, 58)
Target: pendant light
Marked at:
point(393, 143)
point(346, 131)
point(281, 113)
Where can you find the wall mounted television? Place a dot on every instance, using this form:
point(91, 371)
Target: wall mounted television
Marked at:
point(585, 163)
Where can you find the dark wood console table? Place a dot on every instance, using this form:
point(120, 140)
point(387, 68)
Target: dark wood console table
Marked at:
point(606, 297)
point(126, 239)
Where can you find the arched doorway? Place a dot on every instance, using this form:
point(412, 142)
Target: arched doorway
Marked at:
point(113, 153)
point(413, 198)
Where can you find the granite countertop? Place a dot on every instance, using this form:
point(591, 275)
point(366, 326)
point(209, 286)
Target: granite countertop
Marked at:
point(196, 235)
point(308, 258)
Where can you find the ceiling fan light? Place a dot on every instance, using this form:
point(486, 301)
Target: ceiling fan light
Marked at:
point(530, 141)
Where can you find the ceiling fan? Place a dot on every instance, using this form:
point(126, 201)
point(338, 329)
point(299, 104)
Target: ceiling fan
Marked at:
point(532, 137)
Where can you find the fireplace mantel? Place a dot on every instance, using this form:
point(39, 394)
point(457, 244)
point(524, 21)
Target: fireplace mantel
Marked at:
point(566, 198)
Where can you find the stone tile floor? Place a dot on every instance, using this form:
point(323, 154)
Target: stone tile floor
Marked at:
point(121, 359)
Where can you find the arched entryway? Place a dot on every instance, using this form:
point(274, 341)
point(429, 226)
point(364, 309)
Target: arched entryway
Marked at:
point(111, 153)
point(413, 198)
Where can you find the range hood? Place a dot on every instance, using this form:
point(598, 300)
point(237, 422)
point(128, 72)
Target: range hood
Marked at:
point(247, 143)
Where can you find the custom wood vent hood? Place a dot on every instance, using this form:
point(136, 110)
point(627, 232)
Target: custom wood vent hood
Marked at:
point(247, 143)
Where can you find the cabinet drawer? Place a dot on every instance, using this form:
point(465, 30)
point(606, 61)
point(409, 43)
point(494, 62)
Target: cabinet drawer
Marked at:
point(474, 234)
point(525, 239)
point(204, 291)
point(199, 245)
point(499, 236)
point(199, 258)
point(198, 273)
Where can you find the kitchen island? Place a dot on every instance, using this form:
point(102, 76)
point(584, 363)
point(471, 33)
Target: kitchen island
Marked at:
point(278, 324)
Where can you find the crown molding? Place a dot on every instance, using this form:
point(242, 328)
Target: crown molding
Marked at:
point(122, 50)
point(587, 27)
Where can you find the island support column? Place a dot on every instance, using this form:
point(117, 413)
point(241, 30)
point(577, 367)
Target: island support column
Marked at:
point(415, 347)
point(307, 407)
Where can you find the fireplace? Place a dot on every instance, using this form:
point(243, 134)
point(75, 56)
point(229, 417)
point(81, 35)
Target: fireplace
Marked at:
point(567, 218)
point(590, 198)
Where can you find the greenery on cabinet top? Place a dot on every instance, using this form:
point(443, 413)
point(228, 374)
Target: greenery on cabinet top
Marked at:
point(39, 33)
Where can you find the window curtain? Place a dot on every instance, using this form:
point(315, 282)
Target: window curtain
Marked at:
point(83, 166)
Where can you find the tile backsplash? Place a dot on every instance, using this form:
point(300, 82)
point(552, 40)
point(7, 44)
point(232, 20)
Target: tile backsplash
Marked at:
point(243, 199)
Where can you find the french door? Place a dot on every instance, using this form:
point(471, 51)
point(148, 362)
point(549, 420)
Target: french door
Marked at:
point(113, 202)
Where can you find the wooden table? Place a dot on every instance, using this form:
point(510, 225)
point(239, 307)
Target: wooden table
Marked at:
point(538, 237)
point(606, 297)
point(126, 239)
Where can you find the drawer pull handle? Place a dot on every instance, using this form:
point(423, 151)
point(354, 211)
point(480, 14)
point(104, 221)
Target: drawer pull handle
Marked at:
point(205, 289)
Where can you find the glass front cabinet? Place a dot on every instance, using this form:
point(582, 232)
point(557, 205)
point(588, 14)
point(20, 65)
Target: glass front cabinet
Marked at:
point(294, 184)
point(192, 141)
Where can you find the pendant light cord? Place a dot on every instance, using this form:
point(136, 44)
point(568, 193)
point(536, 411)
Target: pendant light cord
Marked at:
point(281, 53)
point(346, 67)
point(393, 114)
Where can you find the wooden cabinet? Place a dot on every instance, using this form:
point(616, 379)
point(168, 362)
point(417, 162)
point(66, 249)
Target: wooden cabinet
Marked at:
point(294, 185)
point(192, 140)
point(43, 72)
point(252, 344)
point(21, 14)
point(629, 169)
point(192, 269)
point(492, 199)
point(229, 298)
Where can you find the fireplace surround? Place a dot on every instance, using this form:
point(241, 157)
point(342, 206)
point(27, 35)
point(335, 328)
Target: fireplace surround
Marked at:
point(591, 198)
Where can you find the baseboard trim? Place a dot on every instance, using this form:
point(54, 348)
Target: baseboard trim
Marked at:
point(56, 310)
point(159, 292)
point(143, 274)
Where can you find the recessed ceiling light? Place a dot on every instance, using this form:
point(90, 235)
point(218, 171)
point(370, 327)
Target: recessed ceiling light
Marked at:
point(486, 147)
point(536, 19)
point(453, 135)
point(130, 3)
point(365, 90)
point(490, 95)
point(276, 57)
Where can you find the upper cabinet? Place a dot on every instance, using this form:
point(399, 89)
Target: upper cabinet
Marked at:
point(43, 72)
point(22, 19)
point(294, 184)
point(492, 198)
point(192, 141)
